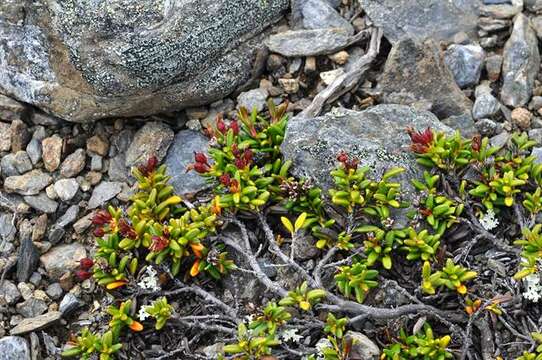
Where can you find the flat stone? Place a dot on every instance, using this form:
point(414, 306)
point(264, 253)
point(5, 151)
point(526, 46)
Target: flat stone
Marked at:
point(63, 258)
point(180, 154)
point(69, 303)
point(319, 14)
point(20, 136)
point(34, 146)
point(465, 62)
point(37, 323)
point(73, 164)
point(422, 19)
point(493, 66)
point(7, 227)
point(66, 188)
point(414, 72)
point(521, 62)
point(30, 183)
point(7, 165)
point(22, 162)
point(502, 11)
point(54, 291)
point(11, 109)
point(69, 216)
point(51, 148)
point(299, 43)
point(486, 105)
point(488, 127)
point(105, 191)
point(153, 139)
point(362, 347)
point(533, 5)
point(41, 202)
point(14, 348)
point(31, 308)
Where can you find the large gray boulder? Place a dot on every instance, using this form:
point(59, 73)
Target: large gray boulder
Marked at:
point(422, 19)
point(415, 71)
point(83, 60)
point(376, 136)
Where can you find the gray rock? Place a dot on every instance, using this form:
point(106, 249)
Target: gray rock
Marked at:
point(295, 43)
point(68, 304)
point(536, 23)
point(465, 63)
point(376, 136)
point(96, 163)
point(462, 122)
point(20, 136)
point(28, 259)
point(362, 347)
point(153, 139)
point(69, 216)
point(536, 135)
point(521, 62)
point(11, 109)
point(422, 19)
point(319, 14)
point(73, 164)
point(30, 183)
point(7, 227)
point(63, 258)
point(31, 308)
point(493, 66)
point(54, 291)
point(500, 140)
point(488, 127)
point(180, 154)
point(66, 188)
point(9, 292)
point(117, 170)
point(14, 348)
point(82, 60)
point(37, 323)
point(537, 153)
point(5, 137)
point(22, 162)
point(34, 146)
point(254, 98)
point(35, 279)
point(104, 192)
point(83, 223)
point(485, 105)
point(41, 202)
point(56, 234)
point(7, 166)
point(415, 72)
point(533, 5)
point(502, 11)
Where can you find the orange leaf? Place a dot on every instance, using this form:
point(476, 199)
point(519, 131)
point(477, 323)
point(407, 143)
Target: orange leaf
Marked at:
point(195, 268)
point(462, 289)
point(136, 326)
point(197, 249)
point(116, 284)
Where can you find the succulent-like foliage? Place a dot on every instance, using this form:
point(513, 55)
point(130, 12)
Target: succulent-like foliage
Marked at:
point(420, 346)
point(420, 245)
point(379, 244)
point(356, 280)
point(451, 276)
point(531, 245)
point(160, 310)
point(537, 354)
point(251, 346)
point(121, 317)
point(303, 297)
point(88, 346)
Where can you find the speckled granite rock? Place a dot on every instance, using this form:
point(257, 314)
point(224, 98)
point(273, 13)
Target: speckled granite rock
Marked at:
point(84, 60)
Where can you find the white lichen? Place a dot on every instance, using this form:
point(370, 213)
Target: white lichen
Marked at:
point(142, 314)
point(150, 280)
point(291, 335)
point(488, 221)
point(533, 288)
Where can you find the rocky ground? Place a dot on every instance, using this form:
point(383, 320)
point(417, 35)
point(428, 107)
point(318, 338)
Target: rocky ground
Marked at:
point(463, 65)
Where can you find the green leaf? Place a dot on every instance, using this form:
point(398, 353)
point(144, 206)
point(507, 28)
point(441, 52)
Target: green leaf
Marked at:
point(300, 221)
point(287, 224)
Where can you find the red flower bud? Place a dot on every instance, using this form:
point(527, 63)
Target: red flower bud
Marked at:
point(423, 138)
point(159, 243)
point(201, 168)
point(225, 179)
point(127, 230)
point(234, 125)
point(419, 148)
point(240, 163)
point(342, 157)
point(200, 158)
point(86, 263)
point(102, 217)
point(235, 150)
point(149, 167)
point(83, 274)
point(234, 186)
point(221, 125)
point(99, 232)
point(247, 156)
point(476, 143)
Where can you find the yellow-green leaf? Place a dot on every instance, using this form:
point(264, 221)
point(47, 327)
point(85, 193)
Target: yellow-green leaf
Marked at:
point(287, 224)
point(300, 221)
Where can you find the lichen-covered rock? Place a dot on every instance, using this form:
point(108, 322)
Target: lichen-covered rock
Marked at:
point(14, 348)
point(83, 60)
point(153, 139)
point(422, 19)
point(376, 136)
point(521, 62)
point(465, 63)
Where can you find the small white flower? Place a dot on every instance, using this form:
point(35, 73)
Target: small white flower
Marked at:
point(322, 344)
point(488, 221)
point(291, 335)
point(533, 291)
point(150, 280)
point(142, 314)
point(249, 318)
